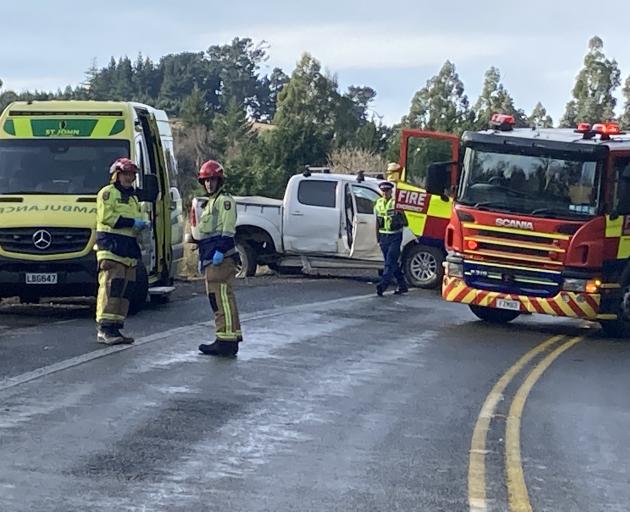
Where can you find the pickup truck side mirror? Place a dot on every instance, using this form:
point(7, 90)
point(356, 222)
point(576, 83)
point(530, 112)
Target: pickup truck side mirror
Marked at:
point(150, 189)
point(438, 178)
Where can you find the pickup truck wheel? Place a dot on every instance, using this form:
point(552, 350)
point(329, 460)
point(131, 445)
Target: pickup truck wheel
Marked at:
point(494, 316)
point(138, 298)
point(248, 265)
point(422, 266)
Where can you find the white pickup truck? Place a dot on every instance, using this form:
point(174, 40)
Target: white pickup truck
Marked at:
point(325, 221)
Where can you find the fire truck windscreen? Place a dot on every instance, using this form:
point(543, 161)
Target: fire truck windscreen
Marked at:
point(530, 185)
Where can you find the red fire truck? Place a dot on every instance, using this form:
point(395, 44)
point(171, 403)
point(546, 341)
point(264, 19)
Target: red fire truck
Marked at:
point(540, 224)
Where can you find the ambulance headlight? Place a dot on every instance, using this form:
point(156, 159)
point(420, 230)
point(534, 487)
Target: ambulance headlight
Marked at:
point(454, 269)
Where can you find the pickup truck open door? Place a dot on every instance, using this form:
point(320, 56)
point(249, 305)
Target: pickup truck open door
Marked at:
point(363, 243)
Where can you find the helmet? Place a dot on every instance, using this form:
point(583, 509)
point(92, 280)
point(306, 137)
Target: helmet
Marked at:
point(393, 167)
point(386, 185)
point(211, 169)
point(123, 165)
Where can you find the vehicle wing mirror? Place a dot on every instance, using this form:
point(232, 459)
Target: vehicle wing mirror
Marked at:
point(438, 178)
point(151, 188)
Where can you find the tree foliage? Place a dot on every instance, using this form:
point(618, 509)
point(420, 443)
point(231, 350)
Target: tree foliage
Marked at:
point(593, 94)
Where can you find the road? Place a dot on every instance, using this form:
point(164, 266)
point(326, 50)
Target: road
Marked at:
point(339, 400)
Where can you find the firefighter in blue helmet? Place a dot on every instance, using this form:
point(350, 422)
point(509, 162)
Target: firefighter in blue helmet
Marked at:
point(217, 260)
point(389, 227)
point(118, 222)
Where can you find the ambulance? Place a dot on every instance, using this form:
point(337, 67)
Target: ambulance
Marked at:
point(54, 158)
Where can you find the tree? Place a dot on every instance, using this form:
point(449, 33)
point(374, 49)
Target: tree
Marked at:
point(625, 117)
point(181, 73)
point(305, 120)
point(194, 110)
point(269, 89)
point(441, 104)
point(237, 65)
point(494, 98)
point(540, 118)
point(593, 94)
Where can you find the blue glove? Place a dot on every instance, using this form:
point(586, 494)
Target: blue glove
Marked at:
point(140, 224)
point(218, 258)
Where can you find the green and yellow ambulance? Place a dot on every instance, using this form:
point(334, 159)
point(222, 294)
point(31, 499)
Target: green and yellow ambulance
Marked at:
point(54, 158)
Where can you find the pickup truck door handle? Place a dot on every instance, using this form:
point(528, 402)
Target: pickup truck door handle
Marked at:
point(297, 214)
point(363, 222)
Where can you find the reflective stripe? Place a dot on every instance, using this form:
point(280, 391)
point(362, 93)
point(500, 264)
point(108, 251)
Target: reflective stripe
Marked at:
point(483, 227)
point(227, 311)
point(110, 316)
point(103, 128)
point(23, 127)
point(570, 304)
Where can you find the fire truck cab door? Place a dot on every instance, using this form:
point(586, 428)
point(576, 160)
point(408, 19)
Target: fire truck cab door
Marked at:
point(427, 215)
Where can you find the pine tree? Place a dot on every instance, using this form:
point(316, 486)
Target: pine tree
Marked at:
point(593, 94)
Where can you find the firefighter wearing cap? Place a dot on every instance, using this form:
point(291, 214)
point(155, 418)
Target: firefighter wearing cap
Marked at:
point(118, 221)
point(389, 226)
point(217, 260)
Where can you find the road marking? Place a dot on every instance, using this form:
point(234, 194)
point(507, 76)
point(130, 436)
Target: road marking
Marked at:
point(152, 338)
point(477, 500)
point(518, 497)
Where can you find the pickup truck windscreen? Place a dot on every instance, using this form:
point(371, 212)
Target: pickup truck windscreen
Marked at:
point(524, 184)
point(45, 166)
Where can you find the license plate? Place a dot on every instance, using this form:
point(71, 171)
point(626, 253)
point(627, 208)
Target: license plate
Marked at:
point(41, 278)
point(514, 305)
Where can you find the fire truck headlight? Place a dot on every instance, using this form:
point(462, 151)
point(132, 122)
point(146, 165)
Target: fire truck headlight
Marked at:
point(574, 285)
point(582, 285)
point(454, 269)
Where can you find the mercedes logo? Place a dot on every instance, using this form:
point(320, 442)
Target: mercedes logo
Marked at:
point(42, 239)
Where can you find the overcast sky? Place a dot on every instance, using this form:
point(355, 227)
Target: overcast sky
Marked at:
point(393, 46)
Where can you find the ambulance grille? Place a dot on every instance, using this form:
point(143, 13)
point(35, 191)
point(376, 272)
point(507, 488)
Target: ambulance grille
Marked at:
point(44, 240)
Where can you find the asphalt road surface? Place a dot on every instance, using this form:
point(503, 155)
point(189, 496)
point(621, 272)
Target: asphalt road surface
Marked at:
point(338, 401)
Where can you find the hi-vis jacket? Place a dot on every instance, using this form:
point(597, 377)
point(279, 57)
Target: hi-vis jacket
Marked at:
point(218, 220)
point(388, 219)
point(116, 210)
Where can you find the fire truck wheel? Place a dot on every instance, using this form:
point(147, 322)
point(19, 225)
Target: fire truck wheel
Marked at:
point(492, 315)
point(422, 266)
point(619, 328)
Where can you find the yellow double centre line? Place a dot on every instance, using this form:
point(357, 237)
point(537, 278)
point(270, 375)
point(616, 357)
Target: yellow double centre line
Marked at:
point(518, 497)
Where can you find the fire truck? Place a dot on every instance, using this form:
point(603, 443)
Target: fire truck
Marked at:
point(540, 223)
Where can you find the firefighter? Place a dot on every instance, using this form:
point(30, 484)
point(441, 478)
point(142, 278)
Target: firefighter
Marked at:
point(118, 222)
point(389, 226)
point(217, 260)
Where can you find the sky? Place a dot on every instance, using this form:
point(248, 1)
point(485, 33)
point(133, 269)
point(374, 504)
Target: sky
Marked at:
point(393, 46)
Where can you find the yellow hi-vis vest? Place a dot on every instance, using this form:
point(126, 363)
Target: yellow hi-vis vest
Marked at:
point(385, 212)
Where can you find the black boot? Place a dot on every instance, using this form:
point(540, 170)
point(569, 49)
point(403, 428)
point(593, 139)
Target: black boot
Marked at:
point(379, 290)
point(401, 290)
point(127, 340)
point(220, 348)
